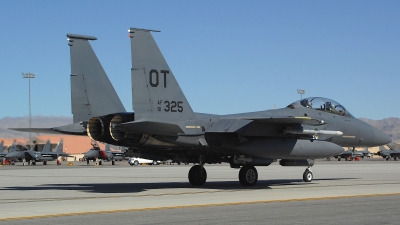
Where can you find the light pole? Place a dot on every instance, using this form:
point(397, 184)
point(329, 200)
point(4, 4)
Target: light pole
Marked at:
point(301, 92)
point(29, 76)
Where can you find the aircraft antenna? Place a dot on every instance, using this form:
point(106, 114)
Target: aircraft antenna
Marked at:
point(301, 92)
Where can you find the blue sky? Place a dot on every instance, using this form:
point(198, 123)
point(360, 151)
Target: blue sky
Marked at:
point(228, 56)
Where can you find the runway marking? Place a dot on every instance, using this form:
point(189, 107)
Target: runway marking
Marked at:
point(198, 205)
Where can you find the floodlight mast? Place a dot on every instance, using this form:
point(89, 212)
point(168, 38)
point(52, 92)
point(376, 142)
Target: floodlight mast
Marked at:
point(301, 92)
point(29, 76)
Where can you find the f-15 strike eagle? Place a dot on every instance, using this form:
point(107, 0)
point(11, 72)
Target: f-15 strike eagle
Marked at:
point(163, 125)
point(388, 154)
point(350, 154)
point(96, 153)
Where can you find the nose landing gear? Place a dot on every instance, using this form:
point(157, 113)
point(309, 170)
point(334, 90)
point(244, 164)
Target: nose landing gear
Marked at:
point(307, 175)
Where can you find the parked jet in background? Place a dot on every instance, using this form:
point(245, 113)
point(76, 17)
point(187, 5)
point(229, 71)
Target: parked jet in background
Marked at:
point(352, 153)
point(2, 152)
point(163, 125)
point(48, 155)
point(389, 153)
point(96, 153)
point(34, 156)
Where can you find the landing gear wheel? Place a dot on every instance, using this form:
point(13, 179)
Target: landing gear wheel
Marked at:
point(135, 163)
point(307, 175)
point(155, 163)
point(44, 163)
point(197, 175)
point(248, 176)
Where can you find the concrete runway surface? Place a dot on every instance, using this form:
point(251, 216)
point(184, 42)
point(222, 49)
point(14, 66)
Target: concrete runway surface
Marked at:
point(362, 192)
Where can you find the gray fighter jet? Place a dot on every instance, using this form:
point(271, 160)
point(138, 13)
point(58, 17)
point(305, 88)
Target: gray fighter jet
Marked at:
point(350, 154)
point(163, 125)
point(96, 153)
point(2, 152)
point(389, 154)
point(32, 156)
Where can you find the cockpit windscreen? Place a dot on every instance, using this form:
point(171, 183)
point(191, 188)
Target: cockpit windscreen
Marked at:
point(323, 104)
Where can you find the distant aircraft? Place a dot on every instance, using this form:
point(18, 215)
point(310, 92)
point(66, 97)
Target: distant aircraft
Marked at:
point(2, 152)
point(352, 153)
point(48, 155)
point(96, 153)
point(388, 154)
point(32, 156)
point(163, 124)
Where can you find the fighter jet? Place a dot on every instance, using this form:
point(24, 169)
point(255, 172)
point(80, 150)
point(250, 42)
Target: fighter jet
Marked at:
point(164, 126)
point(48, 155)
point(350, 154)
point(32, 156)
point(2, 152)
point(96, 153)
point(388, 154)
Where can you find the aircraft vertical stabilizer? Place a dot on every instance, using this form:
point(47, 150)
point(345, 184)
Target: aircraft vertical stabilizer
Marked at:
point(59, 148)
point(92, 93)
point(108, 148)
point(13, 147)
point(47, 147)
point(156, 94)
point(2, 146)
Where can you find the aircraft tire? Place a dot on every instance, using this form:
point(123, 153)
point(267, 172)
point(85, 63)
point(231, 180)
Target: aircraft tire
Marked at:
point(44, 163)
point(197, 175)
point(307, 176)
point(248, 175)
point(33, 163)
point(100, 163)
point(338, 159)
point(155, 163)
point(135, 163)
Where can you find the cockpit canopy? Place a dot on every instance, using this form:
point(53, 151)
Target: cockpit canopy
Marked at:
point(322, 104)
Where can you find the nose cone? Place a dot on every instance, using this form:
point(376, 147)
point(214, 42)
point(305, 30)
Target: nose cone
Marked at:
point(379, 138)
point(90, 154)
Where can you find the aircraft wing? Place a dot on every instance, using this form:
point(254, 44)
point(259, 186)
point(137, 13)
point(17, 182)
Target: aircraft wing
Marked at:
point(235, 124)
point(289, 125)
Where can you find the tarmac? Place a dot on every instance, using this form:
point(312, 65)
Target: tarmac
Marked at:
point(360, 191)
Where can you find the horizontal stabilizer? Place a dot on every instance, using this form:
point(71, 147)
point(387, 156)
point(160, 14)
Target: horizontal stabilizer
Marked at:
point(73, 129)
point(149, 127)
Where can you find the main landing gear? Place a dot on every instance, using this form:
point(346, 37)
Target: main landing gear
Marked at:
point(197, 175)
point(248, 175)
